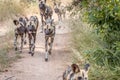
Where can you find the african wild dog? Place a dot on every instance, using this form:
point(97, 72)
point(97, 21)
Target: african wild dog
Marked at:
point(73, 72)
point(59, 10)
point(32, 26)
point(49, 30)
point(21, 31)
point(45, 12)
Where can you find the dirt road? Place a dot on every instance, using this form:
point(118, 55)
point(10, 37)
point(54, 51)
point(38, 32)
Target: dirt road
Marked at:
point(35, 68)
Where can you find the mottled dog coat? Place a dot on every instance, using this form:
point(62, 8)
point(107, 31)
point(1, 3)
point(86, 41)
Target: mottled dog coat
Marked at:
point(32, 26)
point(49, 30)
point(21, 31)
point(59, 10)
point(73, 72)
point(45, 11)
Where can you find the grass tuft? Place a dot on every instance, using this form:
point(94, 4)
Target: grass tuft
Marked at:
point(10, 8)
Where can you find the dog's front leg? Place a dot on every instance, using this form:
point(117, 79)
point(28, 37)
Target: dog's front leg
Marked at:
point(15, 41)
point(25, 37)
point(29, 36)
point(33, 44)
point(42, 23)
point(46, 48)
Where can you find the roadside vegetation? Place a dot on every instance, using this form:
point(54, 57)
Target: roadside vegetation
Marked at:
point(7, 56)
point(97, 43)
point(9, 9)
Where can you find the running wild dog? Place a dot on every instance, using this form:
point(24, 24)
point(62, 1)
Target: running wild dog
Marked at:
point(32, 26)
point(59, 10)
point(21, 31)
point(73, 72)
point(49, 30)
point(45, 12)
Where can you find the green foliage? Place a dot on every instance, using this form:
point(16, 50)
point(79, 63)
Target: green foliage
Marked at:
point(104, 17)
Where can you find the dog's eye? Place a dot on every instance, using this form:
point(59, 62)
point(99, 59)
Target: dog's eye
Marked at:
point(79, 78)
point(85, 78)
point(32, 26)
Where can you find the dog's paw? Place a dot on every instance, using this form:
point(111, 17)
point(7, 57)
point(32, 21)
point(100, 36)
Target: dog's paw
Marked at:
point(32, 54)
point(29, 52)
point(16, 49)
point(25, 42)
point(20, 51)
point(46, 59)
point(50, 52)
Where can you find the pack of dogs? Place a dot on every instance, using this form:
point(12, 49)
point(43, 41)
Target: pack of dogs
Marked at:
point(29, 26)
point(60, 10)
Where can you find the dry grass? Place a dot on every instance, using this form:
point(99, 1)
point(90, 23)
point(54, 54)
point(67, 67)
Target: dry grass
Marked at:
point(10, 8)
point(7, 55)
point(84, 38)
point(84, 41)
point(8, 11)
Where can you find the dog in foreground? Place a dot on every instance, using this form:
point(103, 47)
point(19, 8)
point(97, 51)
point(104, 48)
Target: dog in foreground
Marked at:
point(73, 72)
point(49, 30)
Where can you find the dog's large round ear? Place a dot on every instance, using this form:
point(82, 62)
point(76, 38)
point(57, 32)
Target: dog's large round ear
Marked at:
point(45, 1)
point(16, 22)
point(26, 18)
point(86, 67)
point(54, 3)
point(75, 68)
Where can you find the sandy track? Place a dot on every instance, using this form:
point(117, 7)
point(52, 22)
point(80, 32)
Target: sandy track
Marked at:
point(35, 68)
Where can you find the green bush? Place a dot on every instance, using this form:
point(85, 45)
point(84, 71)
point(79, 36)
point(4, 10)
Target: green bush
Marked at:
point(104, 17)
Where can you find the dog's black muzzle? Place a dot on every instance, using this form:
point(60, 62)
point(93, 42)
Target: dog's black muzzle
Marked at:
point(48, 31)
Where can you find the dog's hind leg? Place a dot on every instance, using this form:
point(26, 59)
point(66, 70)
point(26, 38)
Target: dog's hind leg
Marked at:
point(15, 41)
point(58, 17)
point(64, 15)
point(50, 45)
point(25, 37)
point(22, 41)
point(30, 37)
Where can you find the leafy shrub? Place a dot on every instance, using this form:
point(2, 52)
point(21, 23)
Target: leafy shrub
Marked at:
point(104, 17)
